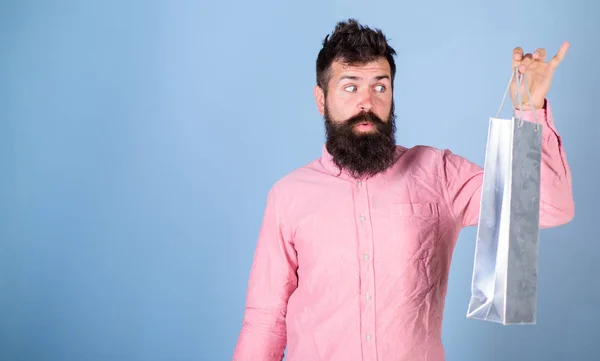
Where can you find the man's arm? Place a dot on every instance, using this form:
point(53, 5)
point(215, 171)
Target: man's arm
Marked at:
point(272, 280)
point(464, 179)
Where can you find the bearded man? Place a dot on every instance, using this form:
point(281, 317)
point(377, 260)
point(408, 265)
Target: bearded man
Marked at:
point(354, 251)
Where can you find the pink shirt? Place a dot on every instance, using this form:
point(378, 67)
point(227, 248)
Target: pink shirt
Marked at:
point(349, 270)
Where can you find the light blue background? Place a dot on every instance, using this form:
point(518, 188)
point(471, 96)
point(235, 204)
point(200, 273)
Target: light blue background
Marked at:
point(138, 141)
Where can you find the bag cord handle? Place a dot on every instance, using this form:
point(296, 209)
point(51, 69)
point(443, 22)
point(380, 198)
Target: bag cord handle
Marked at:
point(520, 78)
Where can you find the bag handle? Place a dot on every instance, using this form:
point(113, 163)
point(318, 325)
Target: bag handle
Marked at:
point(520, 77)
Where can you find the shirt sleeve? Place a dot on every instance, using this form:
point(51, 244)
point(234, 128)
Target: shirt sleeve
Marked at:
point(464, 179)
point(272, 280)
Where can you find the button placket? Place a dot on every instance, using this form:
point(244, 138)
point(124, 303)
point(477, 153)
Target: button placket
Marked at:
point(367, 279)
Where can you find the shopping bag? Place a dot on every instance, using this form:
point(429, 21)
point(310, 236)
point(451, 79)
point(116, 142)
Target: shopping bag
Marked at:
point(504, 283)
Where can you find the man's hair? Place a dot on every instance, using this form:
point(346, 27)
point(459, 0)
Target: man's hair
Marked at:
point(352, 44)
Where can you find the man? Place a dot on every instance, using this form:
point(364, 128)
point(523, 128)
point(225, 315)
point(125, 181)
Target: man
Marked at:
point(353, 255)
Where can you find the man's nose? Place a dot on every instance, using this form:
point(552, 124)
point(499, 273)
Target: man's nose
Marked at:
point(366, 103)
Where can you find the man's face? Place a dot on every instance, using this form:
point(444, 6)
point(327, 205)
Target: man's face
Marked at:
point(356, 89)
point(359, 117)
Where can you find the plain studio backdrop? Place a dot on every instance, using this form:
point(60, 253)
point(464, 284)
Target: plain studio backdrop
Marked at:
point(138, 141)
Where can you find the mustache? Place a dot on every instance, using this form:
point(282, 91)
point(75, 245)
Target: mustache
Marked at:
point(364, 117)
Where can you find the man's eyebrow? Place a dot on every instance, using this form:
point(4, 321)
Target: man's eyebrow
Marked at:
point(350, 77)
point(356, 78)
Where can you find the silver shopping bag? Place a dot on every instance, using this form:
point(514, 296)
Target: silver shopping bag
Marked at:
point(504, 284)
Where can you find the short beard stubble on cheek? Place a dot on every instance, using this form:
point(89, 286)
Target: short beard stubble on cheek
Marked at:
point(361, 154)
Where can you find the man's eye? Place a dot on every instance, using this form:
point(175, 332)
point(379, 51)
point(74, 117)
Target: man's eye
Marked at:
point(350, 88)
point(380, 88)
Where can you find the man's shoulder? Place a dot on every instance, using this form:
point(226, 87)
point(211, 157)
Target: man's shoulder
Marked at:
point(300, 176)
point(428, 151)
point(421, 151)
point(420, 148)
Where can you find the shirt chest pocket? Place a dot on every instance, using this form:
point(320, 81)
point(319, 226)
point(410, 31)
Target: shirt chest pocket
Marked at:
point(414, 228)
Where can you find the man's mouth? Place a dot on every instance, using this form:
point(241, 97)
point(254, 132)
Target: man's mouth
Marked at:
point(364, 125)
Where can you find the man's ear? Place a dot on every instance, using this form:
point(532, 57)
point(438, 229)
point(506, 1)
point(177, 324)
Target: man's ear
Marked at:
point(320, 99)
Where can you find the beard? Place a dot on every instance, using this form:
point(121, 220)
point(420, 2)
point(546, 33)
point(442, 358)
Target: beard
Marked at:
point(362, 154)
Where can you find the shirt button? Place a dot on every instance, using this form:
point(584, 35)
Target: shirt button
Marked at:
point(359, 183)
point(368, 296)
point(366, 256)
point(362, 218)
point(368, 336)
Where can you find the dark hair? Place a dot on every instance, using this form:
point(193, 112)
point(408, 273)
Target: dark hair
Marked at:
point(353, 44)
